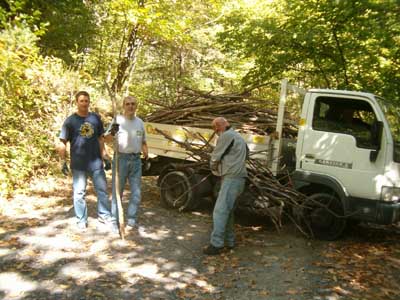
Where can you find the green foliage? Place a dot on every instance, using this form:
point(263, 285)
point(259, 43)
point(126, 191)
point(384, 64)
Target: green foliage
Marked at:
point(33, 89)
point(16, 12)
point(64, 27)
point(175, 47)
point(334, 44)
point(224, 46)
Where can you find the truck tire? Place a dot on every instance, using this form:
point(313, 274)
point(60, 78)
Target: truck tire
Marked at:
point(176, 190)
point(326, 219)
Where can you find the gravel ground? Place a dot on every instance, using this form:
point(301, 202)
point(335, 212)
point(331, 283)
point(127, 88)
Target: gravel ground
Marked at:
point(43, 255)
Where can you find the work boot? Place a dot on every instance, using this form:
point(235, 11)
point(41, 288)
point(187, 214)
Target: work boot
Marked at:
point(230, 247)
point(212, 250)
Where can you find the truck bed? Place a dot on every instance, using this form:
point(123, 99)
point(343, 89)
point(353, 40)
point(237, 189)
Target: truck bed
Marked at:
point(159, 145)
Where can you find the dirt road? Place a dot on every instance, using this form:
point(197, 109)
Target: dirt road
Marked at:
point(43, 256)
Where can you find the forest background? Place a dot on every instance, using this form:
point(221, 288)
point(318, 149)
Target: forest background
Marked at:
point(156, 49)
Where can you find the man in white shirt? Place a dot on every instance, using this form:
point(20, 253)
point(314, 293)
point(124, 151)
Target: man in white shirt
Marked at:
point(131, 143)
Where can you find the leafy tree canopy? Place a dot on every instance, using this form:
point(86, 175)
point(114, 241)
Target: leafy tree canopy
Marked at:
point(50, 49)
point(334, 44)
point(65, 27)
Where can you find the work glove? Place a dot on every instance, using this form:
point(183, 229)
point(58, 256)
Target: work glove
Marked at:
point(65, 169)
point(107, 164)
point(114, 129)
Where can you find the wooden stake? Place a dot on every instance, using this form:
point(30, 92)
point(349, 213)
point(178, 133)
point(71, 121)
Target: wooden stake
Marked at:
point(120, 209)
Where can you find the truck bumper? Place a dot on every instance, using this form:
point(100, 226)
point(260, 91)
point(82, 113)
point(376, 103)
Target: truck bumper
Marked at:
point(387, 212)
point(375, 211)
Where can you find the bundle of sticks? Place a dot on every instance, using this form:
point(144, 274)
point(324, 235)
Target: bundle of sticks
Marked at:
point(245, 113)
point(264, 195)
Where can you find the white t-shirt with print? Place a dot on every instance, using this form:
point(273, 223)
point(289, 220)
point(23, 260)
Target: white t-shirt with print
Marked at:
point(131, 134)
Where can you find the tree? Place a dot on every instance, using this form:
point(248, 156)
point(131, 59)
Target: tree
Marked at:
point(64, 27)
point(333, 44)
point(174, 46)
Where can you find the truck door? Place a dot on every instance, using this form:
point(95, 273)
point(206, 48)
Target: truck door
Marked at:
point(337, 142)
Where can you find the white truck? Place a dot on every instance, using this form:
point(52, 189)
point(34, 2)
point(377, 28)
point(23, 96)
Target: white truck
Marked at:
point(346, 156)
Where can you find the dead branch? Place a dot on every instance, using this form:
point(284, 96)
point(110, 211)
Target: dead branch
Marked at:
point(245, 113)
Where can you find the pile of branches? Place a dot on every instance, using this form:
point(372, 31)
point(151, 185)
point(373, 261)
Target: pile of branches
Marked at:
point(264, 195)
point(245, 113)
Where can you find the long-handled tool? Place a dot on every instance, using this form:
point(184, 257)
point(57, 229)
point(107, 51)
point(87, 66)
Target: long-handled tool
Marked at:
point(120, 209)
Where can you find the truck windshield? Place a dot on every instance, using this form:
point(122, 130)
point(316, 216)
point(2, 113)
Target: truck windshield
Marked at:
point(392, 114)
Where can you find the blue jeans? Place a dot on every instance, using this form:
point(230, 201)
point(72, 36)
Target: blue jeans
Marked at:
point(79, 182)
point(223, 227)
point(130, 168)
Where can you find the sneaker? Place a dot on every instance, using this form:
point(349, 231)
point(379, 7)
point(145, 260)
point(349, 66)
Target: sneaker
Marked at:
point(131, 223)
point(131, 227)
point(108, 220)
point(82, 226)
point(115, 228)
point(212, 250)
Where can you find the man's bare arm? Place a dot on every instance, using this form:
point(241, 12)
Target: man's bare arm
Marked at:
point(103, 150)
point(62, 149)
point(145, 150)
point(108, 138)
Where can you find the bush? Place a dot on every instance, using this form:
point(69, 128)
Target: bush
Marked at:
point(34, 98)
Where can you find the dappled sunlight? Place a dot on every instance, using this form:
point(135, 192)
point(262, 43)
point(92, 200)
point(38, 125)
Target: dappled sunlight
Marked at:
point(58, 258)
point(48, 258)
point(4, 252)
point(199, 214)
point(389, 178)
point(150, 213)
point(325, 144)
point(84, 258)
point(50, 242)
point(14, 285)
point(148, 270)
point(158, 234)
point(80, 271)
point(168, 265)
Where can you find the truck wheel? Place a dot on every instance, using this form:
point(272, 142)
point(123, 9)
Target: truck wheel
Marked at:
point(324, 215)
point(176, 191)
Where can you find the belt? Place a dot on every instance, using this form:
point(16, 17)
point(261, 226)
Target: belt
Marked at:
point(129, 154)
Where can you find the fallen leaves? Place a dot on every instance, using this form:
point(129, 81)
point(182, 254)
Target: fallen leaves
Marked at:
point(264, 266)
point(291, 292)
point(341, 291)
point(362, 268)
point(263, 293)
point(395, 261)
point(12, 242)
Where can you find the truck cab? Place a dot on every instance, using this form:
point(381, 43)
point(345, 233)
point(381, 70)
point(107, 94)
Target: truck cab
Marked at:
point(347, 160)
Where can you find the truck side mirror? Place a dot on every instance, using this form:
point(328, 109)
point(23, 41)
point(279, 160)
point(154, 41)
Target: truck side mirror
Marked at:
point(376, 139)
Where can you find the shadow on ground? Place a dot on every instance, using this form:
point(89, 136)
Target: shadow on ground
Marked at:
point(44, 256)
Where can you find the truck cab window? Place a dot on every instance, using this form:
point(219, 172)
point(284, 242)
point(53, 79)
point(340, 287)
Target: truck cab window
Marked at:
point(345, 116)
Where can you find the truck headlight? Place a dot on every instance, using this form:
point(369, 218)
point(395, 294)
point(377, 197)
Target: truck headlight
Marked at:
point(390, 193)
